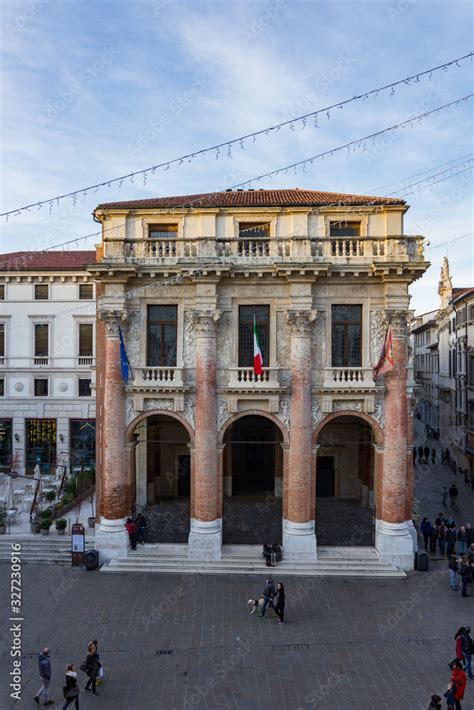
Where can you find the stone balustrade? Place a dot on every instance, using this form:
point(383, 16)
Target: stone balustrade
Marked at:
point(241, 377)
point(160, 376)
point(348, 376)
point(398, 248)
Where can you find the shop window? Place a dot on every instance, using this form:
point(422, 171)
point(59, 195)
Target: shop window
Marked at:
point(162, 333)
point(86, 292)
point(84, 388)
point(40, 444)
point(82, 442)
point(262, 320)
point(346, 336)
point(6, 427)
point(41, 292)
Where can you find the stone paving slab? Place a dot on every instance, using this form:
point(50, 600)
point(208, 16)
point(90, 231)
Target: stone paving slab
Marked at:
point(188, 642)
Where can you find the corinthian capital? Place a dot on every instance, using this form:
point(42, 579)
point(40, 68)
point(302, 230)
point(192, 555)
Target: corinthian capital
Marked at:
point(205, 323)
point(398, 320)
point(112, 320)
point(300, 322)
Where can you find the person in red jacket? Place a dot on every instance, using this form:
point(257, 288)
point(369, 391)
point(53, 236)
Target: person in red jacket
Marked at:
point(458, 686)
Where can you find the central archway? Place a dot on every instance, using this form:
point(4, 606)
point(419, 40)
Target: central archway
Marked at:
point(345, 480)
point(162, 471)
point(252, 479)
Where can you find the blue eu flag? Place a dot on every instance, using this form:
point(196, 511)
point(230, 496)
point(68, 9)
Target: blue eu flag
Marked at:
point(124, 363)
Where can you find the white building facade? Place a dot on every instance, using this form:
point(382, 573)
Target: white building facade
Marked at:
point(47, 336)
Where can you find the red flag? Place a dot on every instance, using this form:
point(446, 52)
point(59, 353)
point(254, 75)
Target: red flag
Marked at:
point(385, 362)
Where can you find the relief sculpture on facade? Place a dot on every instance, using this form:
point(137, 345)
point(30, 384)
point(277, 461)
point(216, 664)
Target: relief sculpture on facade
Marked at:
point(222, 413)
point(189, 349)
point(378, 328)
point(133, 330)
point(158, 404)
point(284, 412)
point(316, 413)
point(188, 412)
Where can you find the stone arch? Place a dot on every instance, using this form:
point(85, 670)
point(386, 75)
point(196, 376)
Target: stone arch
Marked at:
point(153, 412)
point(254, 413)
point(375, 426)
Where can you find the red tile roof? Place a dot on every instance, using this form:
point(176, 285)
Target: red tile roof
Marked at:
point(46, 260)
point(458, 292)
point(254, 198)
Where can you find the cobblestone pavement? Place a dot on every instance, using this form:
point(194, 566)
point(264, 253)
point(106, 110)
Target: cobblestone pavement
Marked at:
point(174, 642)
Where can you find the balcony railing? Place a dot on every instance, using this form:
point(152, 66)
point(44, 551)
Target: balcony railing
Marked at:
point(244, 377)
point(85, 360)
point(352, 377)
point(41, 360)
point(400, 248)
point(158, 375)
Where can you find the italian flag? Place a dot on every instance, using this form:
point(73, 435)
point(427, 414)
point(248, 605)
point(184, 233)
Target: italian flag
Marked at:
point(257, 353)
point(385, 362)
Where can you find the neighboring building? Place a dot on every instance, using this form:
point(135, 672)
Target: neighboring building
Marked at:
point(444, 369)
point(47, 323)
point(211, 451)
point(425, 333)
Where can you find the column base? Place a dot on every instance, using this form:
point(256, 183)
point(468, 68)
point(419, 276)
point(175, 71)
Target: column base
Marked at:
point(205, 540)
point(414, 535)
point(111, 540)
point(394, 543)
point(299, 540)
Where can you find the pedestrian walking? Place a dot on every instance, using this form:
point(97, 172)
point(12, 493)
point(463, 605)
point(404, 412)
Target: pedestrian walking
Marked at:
point(279, 603)
point(465, 573)
point(458, 644)
point(268, 594)
point(132, 533)
point(426, 452)
point(44, 668)
point(444, 494)
point(433, 539)
point(95, 648)
point(433, 456)
point(141, 524)
point(462, 540)
point(425, 529)
point(453, 494)
point(453, 572)
point(71, 689)
point(467, 647)
point(469, 534)
point(442, 533)
point(91, 668)
point(451, 540)
point(458, 686)
point(440, 520)
point(450, 522)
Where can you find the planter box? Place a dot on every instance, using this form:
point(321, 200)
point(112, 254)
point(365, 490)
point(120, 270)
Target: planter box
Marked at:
point(44, 531)
point(3, 529)
point(61, 532)
point(73, 504)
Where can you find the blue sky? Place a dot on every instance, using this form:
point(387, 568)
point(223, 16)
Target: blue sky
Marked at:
point(94, 90)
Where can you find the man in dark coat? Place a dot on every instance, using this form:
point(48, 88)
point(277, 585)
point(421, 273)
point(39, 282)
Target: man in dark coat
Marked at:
point(44, 669)
point(268, 594)
point(453, 494)
point(465, 573)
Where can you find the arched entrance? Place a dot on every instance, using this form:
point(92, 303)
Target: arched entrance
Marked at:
point(252, 468)
point(162, 475)
point(345, 503)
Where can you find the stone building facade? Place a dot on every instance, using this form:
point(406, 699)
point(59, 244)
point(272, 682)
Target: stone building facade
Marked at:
point(47, 361)
point(445, 372)
point(210, 450)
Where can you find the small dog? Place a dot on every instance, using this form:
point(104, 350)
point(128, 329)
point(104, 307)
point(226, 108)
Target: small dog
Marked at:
point(254, 605)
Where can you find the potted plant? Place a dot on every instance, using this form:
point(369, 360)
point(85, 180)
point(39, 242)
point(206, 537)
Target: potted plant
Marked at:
point(3, 525)
point(50, 496)
point(35, 522)
point(45, 525)
point(61, 525)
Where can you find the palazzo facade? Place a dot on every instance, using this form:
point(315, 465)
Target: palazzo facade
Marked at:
point(311, 451)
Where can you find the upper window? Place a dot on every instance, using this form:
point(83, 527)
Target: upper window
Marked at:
point(2, 387)
point(41, 292)
point(2, 292)
point(262, 320)
point(84, 387)
point(2, 339)
point(346, 336)
point(41, 339)
point(344, 229)
point(254, 230)
point(86, 292)
point(163, 231)
point(41, 386)
point(162, 331)
point(86, 339)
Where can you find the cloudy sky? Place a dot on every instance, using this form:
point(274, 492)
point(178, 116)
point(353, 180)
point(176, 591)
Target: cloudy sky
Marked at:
point(95, 90)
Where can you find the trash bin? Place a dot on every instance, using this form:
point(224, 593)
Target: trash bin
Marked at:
point(422, 562)
point(91, 560)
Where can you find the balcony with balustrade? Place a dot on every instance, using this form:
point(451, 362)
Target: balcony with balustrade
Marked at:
point(265, 251)
point(244, 378)
point(161, 378)
point(348, 379)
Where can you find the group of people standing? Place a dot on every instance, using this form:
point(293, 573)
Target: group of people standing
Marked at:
point(91, 666)
point(136, 528)
point(458, 545)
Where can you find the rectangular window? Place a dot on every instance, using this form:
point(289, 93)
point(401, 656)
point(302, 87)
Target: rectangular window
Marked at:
point(41, 292)
point(6, 431)
point(2, 387)
point(2, 340)
point(40, 444)
point(86, 339)
point(262, 319)
point(41, 386)
point(346, 336)
point(86, 292)
point(41, 339)
point(344, 229)
point(84, 389)
point(162, 332)
point(82, 442)
point(2, 292)
point(254, 230)
point(163, 231)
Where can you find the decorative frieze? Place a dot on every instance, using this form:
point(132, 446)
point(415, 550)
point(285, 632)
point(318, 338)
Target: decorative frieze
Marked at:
point(399, 323)
point(132, 337)
point(300, 322)
point(150, 403)
point(356, 405)
point(205, 323)
point(189, 350)
point(112, 320)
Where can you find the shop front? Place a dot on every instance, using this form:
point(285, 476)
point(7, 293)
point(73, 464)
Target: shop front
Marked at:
point(40, 437)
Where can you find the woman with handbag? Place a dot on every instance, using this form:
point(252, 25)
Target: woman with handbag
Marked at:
point(71, 689)
point(91, 667)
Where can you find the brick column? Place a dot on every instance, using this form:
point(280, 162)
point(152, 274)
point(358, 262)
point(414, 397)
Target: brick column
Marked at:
point(393, 538)
point(299, 540)
point(205, 538)
point(111, 537)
